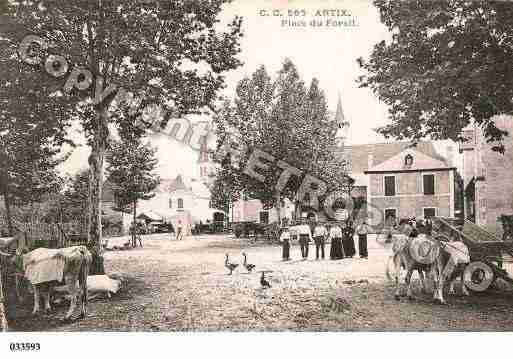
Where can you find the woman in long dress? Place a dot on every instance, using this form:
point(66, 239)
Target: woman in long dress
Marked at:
point(347, 240)
point(336, 250)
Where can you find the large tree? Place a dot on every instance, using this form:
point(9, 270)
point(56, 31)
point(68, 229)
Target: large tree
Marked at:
point(130, 168)
point(32, 132)
point(174, 53)
point(448, 63)
point(288, 121)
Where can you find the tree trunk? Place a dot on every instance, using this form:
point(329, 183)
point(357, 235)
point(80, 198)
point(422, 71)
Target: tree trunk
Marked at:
point(134, 232)
point(277, 200)
point(297, 210)
point(96, 159)
point(8, 214)
point(3, 317)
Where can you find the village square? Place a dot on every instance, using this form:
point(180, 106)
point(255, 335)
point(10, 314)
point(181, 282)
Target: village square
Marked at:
point(170, 166)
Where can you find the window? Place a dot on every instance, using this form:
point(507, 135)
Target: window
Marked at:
point(170, 203)
point(429, 212)
point(408, 160)
point(390, 213)
point(429, 184)
point(180, 203)
point(264, 217)
point(389, 185)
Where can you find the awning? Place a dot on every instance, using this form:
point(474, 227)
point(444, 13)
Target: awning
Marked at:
point(150, 215)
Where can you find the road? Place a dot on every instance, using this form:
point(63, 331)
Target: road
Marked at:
point(184, 286)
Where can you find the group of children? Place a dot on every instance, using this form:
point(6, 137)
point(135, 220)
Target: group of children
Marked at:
point(339, 234)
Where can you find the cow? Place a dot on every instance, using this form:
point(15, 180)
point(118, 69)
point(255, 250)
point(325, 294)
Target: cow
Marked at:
point(45, 268)
point(450, 265)
point(440, 258)
point(402, 258)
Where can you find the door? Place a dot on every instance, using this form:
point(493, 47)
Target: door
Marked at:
point(264, 217)
point(390, 214)
point(429, 212)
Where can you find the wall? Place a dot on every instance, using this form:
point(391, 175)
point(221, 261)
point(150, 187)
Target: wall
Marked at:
point(249, 210)
point(410, 200)
point(494, 194)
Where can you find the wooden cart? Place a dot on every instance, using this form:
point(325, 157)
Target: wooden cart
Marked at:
point(487, 252)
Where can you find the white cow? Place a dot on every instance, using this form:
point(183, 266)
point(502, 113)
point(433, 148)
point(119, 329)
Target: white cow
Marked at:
point(44, 268)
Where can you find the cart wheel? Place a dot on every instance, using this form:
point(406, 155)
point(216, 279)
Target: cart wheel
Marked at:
point(478, 276)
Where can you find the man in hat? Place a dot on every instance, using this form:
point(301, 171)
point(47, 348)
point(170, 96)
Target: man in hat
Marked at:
point(320, 234)
point(362, 230)
point(305, 237)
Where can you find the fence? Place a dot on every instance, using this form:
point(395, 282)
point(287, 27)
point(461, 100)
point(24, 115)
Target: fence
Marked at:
point(52, 235)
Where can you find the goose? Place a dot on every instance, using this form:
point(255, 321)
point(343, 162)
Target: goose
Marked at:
point(249, 267)
point(263, 282)
point(230, 266)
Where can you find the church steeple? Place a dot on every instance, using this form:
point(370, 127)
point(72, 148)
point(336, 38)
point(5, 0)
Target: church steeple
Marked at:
point(206, 165)
point(343, 125)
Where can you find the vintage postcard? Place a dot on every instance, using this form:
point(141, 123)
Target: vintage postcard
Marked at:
point(255, 166)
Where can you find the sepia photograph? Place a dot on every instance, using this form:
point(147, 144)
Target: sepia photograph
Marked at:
point(266, 167)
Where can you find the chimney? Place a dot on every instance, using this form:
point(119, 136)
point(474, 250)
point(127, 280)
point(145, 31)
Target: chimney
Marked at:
point(450, 155)
point(370, 160)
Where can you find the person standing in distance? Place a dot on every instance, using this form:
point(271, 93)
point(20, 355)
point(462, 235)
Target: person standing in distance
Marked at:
point(320, 234)
point(305, 237)
point(179, 229)
point(362, 230)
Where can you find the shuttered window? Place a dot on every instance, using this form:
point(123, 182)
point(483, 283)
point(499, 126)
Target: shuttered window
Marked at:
point(429, 184)
point(389, 185)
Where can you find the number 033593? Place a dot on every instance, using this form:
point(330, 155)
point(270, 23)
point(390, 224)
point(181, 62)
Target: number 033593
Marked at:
point(24, 347)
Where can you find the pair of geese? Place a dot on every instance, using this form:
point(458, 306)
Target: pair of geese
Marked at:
point(249, 267)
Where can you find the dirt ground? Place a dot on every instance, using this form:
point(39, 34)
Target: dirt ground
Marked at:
point(184, 286)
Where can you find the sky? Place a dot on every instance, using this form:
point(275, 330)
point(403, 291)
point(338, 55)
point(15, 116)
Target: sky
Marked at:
point(326, 52)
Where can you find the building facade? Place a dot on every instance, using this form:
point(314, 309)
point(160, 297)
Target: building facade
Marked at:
point(411, 184)
point(488, 176)
point(181, 199)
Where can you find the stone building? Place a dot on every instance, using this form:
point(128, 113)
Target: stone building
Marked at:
point(414, 182)
point(488, 176)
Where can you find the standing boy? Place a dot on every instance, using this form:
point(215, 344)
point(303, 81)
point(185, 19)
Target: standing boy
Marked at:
point(362, 230)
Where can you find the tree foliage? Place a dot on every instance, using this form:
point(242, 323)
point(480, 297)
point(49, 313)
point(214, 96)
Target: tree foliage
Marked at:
point(130, 168)
point(32, 133)
point(172, 52)
point(287, 120)
point(448, 64)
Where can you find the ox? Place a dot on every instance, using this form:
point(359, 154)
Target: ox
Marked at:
point(450, 265)
point(45, 268)
point(402, 258)
point(442, 259)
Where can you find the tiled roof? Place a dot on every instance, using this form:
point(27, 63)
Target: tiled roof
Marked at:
point(359, 154)
point(420, 161)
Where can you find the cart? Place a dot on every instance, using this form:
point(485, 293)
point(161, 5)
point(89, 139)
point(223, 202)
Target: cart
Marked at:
point(487, 252)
